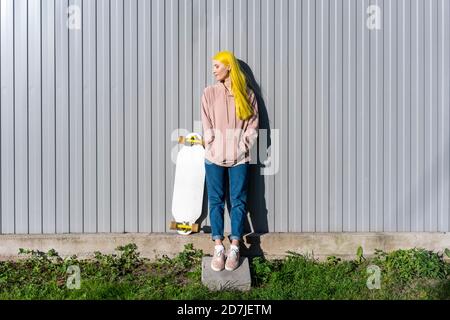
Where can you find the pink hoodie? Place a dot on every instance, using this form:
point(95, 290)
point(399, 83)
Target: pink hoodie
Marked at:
point(228, 139)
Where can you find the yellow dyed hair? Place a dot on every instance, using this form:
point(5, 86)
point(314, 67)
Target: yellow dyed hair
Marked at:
point(238, 84)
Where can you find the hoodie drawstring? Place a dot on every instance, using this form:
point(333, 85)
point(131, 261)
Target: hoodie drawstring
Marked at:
point(226, 100)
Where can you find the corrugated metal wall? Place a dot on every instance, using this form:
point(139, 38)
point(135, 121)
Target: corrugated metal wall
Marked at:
point(360, 114)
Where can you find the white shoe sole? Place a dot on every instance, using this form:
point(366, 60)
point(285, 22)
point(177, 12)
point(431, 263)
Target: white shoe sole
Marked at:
point(214, 269)
point(230, 269)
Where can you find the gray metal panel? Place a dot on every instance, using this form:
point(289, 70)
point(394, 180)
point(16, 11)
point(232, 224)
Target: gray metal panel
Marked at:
point(280, 120)
point(227, 33)
point(240, 27)
point(159, 138)
point(7, 117)
point(48, 118)
point(35, 121)
point(268, 95)
point(21, 116)
point(89, 146)
point(308, 155)
point(172, 119)
point(322, 115)
point(443, 115)
point(349, 115)
point(294, 117)
point(185, 61)
point(117, 117)
point(144, 119)
point(336, 72)
point(362, 120)
point(62, 117)
point(359, 117)
point(431, 86)
point(390, 117)
point(403, 116)
point(376, 126)
point(131, 114)
point(103, 116)
point(76, 93)
point(417, 115)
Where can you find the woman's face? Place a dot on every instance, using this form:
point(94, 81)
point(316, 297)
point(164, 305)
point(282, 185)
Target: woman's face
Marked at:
point(220, 71)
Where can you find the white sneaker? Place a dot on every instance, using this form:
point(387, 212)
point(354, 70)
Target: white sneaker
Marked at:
point(232, 258)
point(218, 259)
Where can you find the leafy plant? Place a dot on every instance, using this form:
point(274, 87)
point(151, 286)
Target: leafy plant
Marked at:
point(188, 257)
point(416, 263)
point(447, 252)
point(359, 255)
point(262, 270)
point(333, 260)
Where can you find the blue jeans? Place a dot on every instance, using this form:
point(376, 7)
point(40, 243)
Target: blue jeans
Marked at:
point(215, 183)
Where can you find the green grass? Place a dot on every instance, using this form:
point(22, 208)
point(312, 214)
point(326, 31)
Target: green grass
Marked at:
point(405, 274)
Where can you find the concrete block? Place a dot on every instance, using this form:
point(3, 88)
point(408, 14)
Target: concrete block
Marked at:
point(238, 279)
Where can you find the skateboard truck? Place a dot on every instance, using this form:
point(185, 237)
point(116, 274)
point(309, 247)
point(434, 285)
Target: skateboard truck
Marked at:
point(184, 227)
point(191, 140)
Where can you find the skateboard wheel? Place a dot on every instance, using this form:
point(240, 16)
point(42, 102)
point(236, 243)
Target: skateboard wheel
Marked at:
point(194, 227)
point(173, 225)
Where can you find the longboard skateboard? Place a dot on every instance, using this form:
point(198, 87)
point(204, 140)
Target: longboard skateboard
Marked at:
point(189, 183)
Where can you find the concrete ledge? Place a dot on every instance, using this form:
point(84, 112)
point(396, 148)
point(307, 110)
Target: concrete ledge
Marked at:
point(238, 279)
point(271, 245)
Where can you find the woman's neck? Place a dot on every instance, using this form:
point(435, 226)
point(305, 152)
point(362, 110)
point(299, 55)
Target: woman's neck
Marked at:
point(227, 83)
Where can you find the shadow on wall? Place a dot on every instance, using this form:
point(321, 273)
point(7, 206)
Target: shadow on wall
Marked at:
point(256, 202)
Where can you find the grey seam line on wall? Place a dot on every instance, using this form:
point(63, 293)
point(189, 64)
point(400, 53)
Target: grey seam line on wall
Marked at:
point(1, 176)
point(40, 59)
point(423, 117)
point(437, 122)
point(151, 113)
point(356, 118)
point(301, 106)
point(14, 115)
point(96, 122)
point(342, 125)
point(369, 131)
point(163, 98)
point(137, 113)
point(123, 114)
point(28, 131)
point(110, 136)
point(328, 124)
point(54, 103)
point(383, 123)
point(68, 101)
point(396, 117)
point(82, 119)
point(410, 117)
point(274, 102)
point(315, 116)
point(287, 122)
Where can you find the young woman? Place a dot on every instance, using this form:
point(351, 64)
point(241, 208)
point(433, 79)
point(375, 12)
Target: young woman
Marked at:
point(230, 124)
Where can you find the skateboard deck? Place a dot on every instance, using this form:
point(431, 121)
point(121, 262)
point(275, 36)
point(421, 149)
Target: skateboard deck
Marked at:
point(189, 183)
